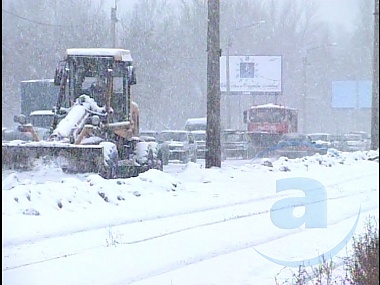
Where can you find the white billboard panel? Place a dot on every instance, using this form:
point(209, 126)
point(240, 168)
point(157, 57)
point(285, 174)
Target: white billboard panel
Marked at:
point(252, 74)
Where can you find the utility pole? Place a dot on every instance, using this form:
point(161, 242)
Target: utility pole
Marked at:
point(213, 148)
point(113, 24)
point(375, 83)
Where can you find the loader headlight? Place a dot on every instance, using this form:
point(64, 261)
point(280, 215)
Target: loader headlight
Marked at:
point(95, 120)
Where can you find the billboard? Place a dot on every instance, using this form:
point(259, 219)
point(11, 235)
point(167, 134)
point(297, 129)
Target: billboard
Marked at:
point(252, 75)
point(354, 94)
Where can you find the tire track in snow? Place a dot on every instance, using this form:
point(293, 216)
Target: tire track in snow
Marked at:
point(100, 243)
point(137, 220)
point(153, 217)
point(213, 254)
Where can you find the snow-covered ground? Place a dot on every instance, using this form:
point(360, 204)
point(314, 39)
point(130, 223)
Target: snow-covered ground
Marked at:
point(187, 225)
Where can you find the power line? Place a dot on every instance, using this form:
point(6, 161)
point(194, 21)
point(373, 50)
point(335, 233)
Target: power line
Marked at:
point(32, 21)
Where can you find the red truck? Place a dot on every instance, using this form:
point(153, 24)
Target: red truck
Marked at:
point(267, 123)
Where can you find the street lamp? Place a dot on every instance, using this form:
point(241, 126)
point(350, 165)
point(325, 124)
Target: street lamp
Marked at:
point(228, 92)
point(304, 71)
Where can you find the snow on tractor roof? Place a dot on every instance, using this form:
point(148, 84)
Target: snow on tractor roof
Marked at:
point(195, 121)
point(271, 105)
point(42, 113)
point(118, 54)
point(39, 80)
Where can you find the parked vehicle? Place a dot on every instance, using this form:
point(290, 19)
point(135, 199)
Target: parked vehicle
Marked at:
point(321, 138)
point(150, 133)
point(37, 127)
point(337, 142)
point(39, 94)
point(296, 145)
point(267, 123)
point(148, 138)
point(162, 148)
point(355, 142)
point(181, 145)
point(200, 139)
point(196, 124)
point(235, 144)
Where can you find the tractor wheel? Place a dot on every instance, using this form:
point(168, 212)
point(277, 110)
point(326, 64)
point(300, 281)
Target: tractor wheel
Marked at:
point(149, 156)
point(110, 168)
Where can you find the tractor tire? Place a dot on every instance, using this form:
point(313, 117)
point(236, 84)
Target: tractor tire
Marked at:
point(110, 169)
point(149, 156)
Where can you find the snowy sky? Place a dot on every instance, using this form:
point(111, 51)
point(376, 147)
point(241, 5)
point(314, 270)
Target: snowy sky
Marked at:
point(187, 225)
point(341, 12)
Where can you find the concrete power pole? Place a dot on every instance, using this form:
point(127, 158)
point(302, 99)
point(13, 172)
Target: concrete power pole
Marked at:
point(375, 83)
point(213, 147)
point(113, 25)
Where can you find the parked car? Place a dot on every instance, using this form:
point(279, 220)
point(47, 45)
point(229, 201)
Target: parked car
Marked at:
point(235, 144)
point(148, 138)
point(40, 120)
point(296, 145)
point(355, 142)
point(337, 142)
point(321, 138)
point(150, 133)
point(200, 139)
point(196, 124)
point(180, 144)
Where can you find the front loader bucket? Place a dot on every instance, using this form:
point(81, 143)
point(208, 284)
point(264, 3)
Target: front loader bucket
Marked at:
point(71, 158)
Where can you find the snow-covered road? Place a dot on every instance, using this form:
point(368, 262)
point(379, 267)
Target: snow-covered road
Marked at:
point(206, 231)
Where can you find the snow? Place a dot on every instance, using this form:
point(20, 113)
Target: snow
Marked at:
point(187, 225)
point(76, 117)
point(119, 54)
point(42, 113)
point(195, 121)
point(109, 148)
point(47, 144)
point(271, 105)
point(39, 80)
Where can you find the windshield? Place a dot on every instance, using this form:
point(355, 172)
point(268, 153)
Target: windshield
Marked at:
point(179, 137)
point(195, 127)
point(199, 137)
point(234, 138)
point(319, 137)
point(42, 121)
point(271, 115)
point(295, 137)
point(352, 137)
point(149, 134)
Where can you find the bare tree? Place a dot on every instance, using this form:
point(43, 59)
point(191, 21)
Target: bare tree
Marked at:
point(35, 39)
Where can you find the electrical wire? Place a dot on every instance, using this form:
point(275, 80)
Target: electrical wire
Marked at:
point(32, 21)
